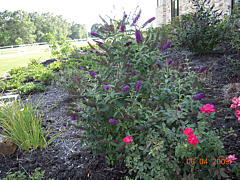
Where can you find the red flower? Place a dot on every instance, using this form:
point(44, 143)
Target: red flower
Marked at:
point(188, 131)
point(193, 139)
point(127, 139)
point(208, 108)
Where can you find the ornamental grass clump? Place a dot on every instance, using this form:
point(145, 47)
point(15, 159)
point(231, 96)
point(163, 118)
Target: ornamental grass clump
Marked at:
point(21, 124)
point(136, 112)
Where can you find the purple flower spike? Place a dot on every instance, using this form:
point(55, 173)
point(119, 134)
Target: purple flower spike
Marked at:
point(198, 96)
point(128, 43)
point(139, 83)
point(167, 45)
point(118, 64)
point(136, 18)
point(133, 73)
point(202, 69)
point(95, 34)
point(180, 69)
point(91, 51)
point(125, 88)
point(125, 16)
point(73, 118)
point(122, 27)
point(217, 21)
point(113, 121)
point(99, 42)
point(148, 21)
point(107, 87)
point(93, 74)
point(170, 61)
point(80, 110)
point(138, 35)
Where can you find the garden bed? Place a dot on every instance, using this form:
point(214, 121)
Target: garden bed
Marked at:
point(63, 159)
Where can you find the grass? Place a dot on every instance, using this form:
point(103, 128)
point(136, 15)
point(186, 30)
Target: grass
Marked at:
point(18, 61)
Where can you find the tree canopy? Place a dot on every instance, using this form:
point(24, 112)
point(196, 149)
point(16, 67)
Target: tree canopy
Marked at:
point(20, 27)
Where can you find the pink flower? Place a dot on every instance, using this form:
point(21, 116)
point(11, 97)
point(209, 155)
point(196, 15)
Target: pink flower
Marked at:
point(236, 102)
point(188, 131)
point(193, 139)
point(231, 158)
point(127, 139)
point(208, 108)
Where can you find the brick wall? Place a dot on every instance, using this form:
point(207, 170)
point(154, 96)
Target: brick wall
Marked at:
point(163, 11)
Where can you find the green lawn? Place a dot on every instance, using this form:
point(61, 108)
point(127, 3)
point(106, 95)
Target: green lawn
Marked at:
point(6, 64)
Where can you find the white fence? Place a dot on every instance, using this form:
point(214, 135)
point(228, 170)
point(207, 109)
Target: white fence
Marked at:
point(42, 46)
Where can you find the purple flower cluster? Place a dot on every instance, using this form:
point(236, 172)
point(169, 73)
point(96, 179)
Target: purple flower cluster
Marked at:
point(170, 61)
point(93, 74)
point(73, 118)
point(125, 88)
point(167, 45)
point(136, 18)
point(113, 121)
point(122, 27)
point(138, 35)
point(198, 96)
point(95, 34)
point(148, 21)
point(202, 69)
point(128, 43)
point(99, 42)
point(139, 83)
point(107, 87)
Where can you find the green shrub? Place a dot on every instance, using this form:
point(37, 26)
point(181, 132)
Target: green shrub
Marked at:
point(201, 31)
point(22, 125)
point(135, 92)
point(56, 66)
point(31, 88)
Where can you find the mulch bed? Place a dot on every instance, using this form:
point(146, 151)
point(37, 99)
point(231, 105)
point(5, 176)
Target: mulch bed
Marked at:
point(63, 158)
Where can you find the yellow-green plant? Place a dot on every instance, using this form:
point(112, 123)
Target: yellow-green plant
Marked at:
point(21, 124)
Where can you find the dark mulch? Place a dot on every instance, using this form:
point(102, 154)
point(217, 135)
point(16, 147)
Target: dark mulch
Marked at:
point(63, 159)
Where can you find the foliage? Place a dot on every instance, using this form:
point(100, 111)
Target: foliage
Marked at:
point(20, 27)
point(22, 75)
point(37, 175)
point(232, 24)
point(200, 31)
point(133, 91)
point(61, 48)
point(31, 88)
point(78, 31)
point(16, 28)
point(21, 124)
point(56, 66)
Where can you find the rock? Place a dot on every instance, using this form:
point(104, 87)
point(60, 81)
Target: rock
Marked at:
point(5, 76)
point(6, 147)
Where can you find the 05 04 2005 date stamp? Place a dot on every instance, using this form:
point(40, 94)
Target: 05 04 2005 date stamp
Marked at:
point(202, 161)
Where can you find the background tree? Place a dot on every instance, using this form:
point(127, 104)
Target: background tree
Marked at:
point(78, 31)
point(16, 25)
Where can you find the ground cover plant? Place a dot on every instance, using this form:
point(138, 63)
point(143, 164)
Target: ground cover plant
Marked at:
point(142, 108)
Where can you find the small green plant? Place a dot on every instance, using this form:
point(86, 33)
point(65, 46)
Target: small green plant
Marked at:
point(37, 175)
point(31, 88)
point(21, 124)
point(200, 31)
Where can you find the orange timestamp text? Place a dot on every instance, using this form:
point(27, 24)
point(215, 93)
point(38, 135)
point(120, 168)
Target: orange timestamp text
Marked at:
point(201, 161)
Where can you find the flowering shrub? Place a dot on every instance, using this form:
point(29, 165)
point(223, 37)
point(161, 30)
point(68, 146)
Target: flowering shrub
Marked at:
point(136, 105)
point(201, 31)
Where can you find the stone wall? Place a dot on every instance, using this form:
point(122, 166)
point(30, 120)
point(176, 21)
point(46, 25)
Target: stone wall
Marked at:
point(163, 11)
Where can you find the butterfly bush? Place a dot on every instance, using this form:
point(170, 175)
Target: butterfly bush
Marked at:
point(148, 101)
